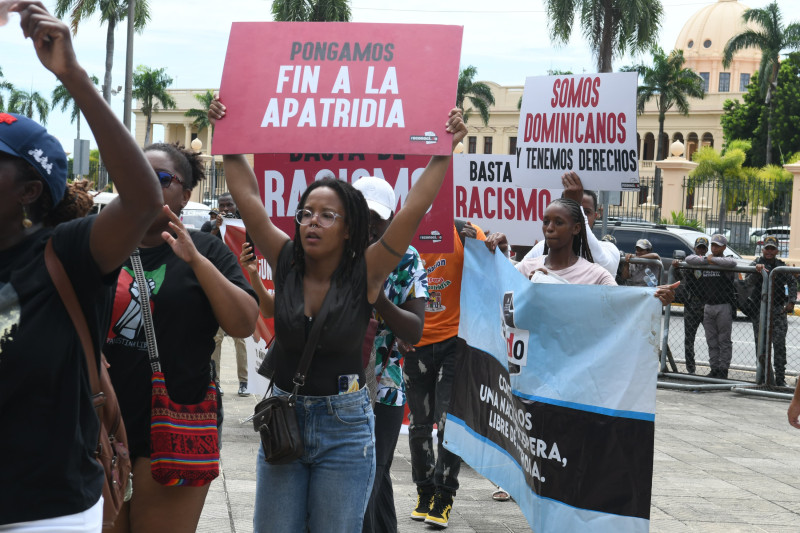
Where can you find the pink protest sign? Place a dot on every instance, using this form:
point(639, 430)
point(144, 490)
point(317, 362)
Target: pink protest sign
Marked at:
point(338, 87)
point(282, 178)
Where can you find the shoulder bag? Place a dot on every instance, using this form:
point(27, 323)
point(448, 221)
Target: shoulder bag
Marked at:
point(184, 441)
point(112, 445)
point(275, 418)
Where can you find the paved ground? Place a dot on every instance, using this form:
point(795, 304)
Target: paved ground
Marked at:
point(723, 462)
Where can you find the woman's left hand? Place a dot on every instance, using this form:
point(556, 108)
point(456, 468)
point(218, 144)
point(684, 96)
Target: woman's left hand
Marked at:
point(666, 293)
point(181, 243)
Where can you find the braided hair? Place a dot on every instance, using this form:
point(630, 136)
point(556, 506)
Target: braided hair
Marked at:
point(580, 242)
point(188, 162)
point(75, 203)
point(356, 216)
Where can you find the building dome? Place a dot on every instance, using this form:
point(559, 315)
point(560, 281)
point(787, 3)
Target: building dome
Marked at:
point(707, 32)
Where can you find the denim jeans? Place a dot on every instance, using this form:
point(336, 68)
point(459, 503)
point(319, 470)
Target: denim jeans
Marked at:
point(327, 489)
point(429, 372)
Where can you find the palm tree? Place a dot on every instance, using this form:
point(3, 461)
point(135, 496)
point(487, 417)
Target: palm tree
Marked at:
point(311, 10)
point(26, 103)
point(150, 89)
point(478, 93)
point(4, 86)
point(62, 97)
point(112, 12)
point(666, 80)
point(770, 38)
point(612, 27)
point(200, 115)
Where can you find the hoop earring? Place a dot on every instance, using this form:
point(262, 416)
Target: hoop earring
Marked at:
point(26, 221)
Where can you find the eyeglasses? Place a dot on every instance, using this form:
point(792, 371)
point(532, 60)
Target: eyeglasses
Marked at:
point(325, 218)
point(165, 178)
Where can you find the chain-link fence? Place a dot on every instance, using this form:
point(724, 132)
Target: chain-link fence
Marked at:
point(713, 327)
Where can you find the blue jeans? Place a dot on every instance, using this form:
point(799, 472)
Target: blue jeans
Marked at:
point(328, 488)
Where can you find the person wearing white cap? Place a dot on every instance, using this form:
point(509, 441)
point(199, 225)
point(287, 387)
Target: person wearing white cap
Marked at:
point(400, 311)
point(720, 305)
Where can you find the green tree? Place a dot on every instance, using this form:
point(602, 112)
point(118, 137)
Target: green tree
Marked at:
point(61, 97)
point(740, 120)
point(770, 37)
point(200, 115)
point(671, 85)
point(784, 134)
point(478, 93)
point(27, 103)
point(150, 89)
point(5, 86)
point(612, 27)
point(112, 12)
point(311, 10)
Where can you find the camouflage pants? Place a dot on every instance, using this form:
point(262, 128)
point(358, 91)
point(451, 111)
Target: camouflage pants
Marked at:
point(780, 326)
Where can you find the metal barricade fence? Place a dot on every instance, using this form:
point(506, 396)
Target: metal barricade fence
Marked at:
point(683, 321)
point(655, 266)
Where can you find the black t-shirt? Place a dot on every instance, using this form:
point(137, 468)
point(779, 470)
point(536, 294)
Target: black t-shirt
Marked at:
point(339, 345)
point(49, 427)
point(185, 327)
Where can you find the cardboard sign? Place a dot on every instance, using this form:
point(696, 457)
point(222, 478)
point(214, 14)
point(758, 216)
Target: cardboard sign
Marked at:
point(492, 192)
point(283, 178)
point(338, 87)
point(585, 124)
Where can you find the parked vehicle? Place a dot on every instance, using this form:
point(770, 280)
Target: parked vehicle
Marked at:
point(192, 216)
point(666, 240)
point(782, 233)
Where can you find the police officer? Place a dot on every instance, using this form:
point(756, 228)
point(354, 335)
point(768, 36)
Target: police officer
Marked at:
point(784, 294)
point(693, 304)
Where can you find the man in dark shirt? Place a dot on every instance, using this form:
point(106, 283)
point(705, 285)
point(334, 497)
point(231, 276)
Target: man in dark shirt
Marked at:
point(720, 298)
point(694, 302)
point(784, 295)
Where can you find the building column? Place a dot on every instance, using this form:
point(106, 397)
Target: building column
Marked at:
point(673, 171)
point(794, 236)
point(187, 135)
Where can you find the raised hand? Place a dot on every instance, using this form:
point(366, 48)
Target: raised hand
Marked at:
point(248, 259)
point(50, 36)
point(181, 243)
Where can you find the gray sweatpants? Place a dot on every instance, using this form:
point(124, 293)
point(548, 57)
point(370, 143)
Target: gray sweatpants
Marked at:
point(718, 322)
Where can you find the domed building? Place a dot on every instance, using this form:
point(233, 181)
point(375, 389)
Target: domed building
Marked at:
point(703, 39)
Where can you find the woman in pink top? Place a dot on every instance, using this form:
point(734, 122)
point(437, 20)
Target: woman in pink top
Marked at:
point(566, 247)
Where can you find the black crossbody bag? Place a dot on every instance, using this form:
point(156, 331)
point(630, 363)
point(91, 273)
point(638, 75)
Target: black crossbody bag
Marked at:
point(275, 418)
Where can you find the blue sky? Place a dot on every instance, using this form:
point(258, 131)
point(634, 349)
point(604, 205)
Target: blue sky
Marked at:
point(506, 41)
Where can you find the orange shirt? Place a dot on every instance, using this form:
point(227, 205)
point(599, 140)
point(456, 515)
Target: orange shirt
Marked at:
point(443, 308)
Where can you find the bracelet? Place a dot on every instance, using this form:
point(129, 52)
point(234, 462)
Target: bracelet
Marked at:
point(389, 249)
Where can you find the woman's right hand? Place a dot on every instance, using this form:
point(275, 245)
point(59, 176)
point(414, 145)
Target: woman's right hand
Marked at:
point(248, 259)
point(456, 126)
point(50, 37)
point(216, 111)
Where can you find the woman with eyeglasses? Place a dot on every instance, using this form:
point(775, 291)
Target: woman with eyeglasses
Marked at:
point(327, 489)
point(195, 286)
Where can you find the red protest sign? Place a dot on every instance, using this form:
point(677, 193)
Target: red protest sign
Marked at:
point(342, 87)
point(282, 178)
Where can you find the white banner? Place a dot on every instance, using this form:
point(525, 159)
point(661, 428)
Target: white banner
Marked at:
point(585, 124)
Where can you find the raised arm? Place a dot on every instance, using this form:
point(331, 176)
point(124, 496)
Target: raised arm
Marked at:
point(382, 256)
point(243, 186)
point(121, 225)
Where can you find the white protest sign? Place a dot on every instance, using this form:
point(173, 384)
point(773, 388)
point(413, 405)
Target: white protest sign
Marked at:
point(490, 191)
point(584, 123)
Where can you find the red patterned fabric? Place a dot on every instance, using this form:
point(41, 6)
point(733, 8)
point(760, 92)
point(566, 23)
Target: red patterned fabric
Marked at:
point(183, 438)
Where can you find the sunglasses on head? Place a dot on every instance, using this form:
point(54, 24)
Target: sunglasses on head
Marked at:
point(165, 178)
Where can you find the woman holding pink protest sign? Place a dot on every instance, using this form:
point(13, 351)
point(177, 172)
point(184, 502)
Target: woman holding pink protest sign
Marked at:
point(327, 277)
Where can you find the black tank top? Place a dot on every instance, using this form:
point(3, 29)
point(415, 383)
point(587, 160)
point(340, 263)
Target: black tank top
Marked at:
point(338, 349)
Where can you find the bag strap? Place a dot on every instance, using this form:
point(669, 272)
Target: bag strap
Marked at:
point(147, 316)
point(67, 293)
